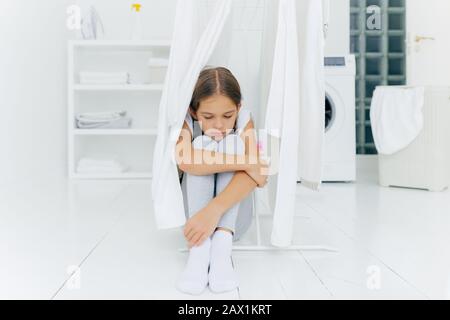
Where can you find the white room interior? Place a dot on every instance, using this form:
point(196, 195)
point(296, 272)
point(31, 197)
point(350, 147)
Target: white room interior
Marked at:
point(67, 238)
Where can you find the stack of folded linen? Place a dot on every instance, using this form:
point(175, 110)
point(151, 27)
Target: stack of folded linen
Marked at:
point(103, 120)
point(87, 77)
point(101, 164)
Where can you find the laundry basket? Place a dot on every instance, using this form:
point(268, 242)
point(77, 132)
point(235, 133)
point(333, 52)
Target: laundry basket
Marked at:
point(425, 163)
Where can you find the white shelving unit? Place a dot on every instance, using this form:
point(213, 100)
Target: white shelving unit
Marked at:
point(146, 62)
point(130, 87)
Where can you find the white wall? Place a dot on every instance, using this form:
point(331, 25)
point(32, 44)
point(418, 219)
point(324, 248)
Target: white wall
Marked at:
point(32, 89)
point(338, 42)
point(33, 74)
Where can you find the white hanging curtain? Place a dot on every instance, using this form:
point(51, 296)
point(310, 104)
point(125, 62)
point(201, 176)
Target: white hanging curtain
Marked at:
point(295, 108)
point(192, 47)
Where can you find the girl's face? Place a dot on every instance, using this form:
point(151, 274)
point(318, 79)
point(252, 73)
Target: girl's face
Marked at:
point(217, 116)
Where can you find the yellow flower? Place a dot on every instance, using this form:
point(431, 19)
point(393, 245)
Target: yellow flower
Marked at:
point(136, 6)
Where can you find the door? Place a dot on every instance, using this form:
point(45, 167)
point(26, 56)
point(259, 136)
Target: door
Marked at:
point(428, 43)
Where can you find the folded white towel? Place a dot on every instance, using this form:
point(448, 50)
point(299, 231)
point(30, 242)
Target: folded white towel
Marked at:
point(96, 117)
point(103, 77)
point(396, 117)
point(100, 170)
point(101, 164)
point(122, 123)
point(162, 62)
point(104, 82)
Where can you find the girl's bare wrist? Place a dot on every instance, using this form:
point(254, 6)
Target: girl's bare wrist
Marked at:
point(217, 207)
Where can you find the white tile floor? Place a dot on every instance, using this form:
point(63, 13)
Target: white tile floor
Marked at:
point(392, 244)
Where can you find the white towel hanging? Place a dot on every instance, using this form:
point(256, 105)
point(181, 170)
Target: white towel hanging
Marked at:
point(396, 117)
point(295, 109)
point(190, 52)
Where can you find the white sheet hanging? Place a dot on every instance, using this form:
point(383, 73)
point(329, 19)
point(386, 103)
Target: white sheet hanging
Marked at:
point(312, 94)
point(189, 54)
point(295, 109)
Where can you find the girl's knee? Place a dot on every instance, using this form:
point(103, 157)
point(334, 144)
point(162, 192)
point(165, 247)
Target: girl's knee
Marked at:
point(232, 144)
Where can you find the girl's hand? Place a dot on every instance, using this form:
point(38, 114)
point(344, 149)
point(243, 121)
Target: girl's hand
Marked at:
point(202, 225)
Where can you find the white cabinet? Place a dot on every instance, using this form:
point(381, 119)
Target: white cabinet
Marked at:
point(146, 62)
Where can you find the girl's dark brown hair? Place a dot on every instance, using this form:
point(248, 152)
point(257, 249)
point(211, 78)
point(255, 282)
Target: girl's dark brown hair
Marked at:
point(215, 81)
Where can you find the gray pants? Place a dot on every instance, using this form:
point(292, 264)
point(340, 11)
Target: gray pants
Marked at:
point(198, 191)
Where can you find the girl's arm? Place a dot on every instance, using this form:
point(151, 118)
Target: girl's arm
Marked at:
point(204, 163)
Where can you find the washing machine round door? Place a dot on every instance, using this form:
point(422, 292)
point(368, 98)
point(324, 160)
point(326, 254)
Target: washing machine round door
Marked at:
point(334, 113)
point(330, 113)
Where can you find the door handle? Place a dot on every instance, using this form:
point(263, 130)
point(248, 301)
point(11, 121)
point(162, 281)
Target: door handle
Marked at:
point(421, 38)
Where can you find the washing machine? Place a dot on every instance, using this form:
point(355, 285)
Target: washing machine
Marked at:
point(340, 127)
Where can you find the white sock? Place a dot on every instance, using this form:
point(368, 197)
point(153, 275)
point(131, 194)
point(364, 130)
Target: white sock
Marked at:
point(194, 278)
point(222, 277)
